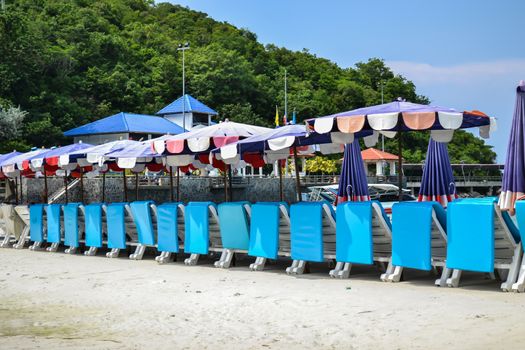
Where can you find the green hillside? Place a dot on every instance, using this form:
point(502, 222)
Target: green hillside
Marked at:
point(69, 62)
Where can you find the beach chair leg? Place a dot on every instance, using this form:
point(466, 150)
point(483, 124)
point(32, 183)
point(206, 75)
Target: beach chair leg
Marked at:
point(388, 272)
point(71, 250)
point(342, 270)
point(454, 280)
point(163, 258)
point(259, 264)
point(519, 286)
point(22, 239)
point(225, 259)
point(53, 248)
point(92, 251)
point(6, 241)
point(514, 270)
point(395, 276)
point(445, 275)
point(36, 246)
point(192, 260)
point(139, 252)
point(113, 253)
point(297, 267)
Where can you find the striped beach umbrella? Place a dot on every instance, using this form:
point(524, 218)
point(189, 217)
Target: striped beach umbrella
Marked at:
point(437, 183)
point(514, 172)
point(353, 185)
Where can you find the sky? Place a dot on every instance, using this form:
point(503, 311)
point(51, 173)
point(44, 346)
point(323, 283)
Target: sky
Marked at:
point(462, 54)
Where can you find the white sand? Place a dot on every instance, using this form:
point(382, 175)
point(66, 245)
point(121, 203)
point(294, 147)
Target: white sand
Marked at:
point(52, 300)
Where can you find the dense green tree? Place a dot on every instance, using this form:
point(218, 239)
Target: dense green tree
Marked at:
point(69, 62)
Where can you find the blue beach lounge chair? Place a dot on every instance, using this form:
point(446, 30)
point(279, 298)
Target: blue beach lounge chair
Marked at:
point(313, 234)
point(145, 219)
point(201, 230)
point(170, 230)
point(269, 232)
point(54, 229)
point(519, 286)
point(234, 225)
point(95, 227)
point(482, 238)
point(121, 228)
point(36, 225)
point(419, 239)
point(74, 226)
point(363, 235)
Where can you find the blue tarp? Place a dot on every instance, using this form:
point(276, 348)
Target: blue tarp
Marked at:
point(127, 122)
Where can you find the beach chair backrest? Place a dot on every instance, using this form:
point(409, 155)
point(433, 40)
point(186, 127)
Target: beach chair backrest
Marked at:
point(169, 222)
point(117, 224)
point(141, 213)
point(54, 223)
point(414, 227)
point(36, 222)
point(268, 221)
point(94, 224)
point(478, 233)
point(72, 224)
point(234, 223)
point(201, 224)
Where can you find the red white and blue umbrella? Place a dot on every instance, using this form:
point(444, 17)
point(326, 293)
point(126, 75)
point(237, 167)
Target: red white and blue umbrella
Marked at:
point(514, 172)
point(437, 183)
point(353, 185)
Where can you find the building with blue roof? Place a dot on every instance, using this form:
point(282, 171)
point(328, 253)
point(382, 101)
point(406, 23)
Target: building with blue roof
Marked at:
point(188, 112)
point(124, 126)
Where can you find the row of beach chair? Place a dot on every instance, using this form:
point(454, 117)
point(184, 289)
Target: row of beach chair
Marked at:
point(471, 235)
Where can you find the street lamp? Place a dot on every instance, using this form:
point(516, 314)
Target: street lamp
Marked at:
point(183, 47)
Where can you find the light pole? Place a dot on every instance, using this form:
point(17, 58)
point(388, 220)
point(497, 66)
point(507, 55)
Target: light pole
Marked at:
point(382, 101)
point(183, 47)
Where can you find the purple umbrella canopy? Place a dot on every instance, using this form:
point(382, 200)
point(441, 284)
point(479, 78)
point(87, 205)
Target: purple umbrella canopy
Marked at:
point(437, 183)
point(513, 187)
point(352, 182)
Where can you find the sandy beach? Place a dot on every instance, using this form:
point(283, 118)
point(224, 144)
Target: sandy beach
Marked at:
point(53, 300)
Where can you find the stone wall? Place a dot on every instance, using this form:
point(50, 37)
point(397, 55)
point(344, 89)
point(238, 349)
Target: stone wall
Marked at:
point(191, 189)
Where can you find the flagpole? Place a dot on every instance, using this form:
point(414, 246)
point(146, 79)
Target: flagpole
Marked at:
point(285, 97)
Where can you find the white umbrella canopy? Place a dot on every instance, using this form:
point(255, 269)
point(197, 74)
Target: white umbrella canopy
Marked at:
point(13, 166)
point(97, 154)
point(205, 139)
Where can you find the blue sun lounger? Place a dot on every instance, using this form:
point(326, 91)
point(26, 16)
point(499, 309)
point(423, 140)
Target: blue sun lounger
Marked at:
point(36, 225)
point(170, 230)
point(484, 239)
point(313, 234)
point(74, 225)
point(234, 225)
point(419, 239)
point(201, 230)
point(363, 235)
point(519, 286)
point(269, 232)
point(145, 219)
point(94, 227)
point(54, 227)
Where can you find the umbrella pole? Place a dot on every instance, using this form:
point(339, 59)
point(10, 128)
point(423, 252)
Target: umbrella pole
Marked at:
point(297, 178)
point(103, 187)
point(178, 184)
point(65, 186)
point(45, 187)
point(21, 190)
point(137, 186)
point(225, 186)
point(125, 185)
point(281, 194)
point(400, 165)
point(16, 190)
point(81, 185)
point(230, 187)
point(171, 184)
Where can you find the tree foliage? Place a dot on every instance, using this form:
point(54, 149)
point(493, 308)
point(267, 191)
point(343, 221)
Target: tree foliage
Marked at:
point(70, 62)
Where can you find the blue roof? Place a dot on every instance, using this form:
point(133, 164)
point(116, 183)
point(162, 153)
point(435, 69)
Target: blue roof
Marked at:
point(127, 122)
point(191, 104)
